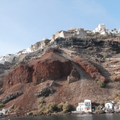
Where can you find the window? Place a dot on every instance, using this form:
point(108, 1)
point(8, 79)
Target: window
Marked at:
point(87, 104)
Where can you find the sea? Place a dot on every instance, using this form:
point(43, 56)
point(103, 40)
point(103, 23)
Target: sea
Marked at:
point(70, 117)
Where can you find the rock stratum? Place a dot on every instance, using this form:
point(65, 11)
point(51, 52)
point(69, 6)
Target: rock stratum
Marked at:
point(66, 70)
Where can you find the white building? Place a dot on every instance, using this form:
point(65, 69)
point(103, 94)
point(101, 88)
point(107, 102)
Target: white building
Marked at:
point(85, 106)
point(101, 29)
point(108, 107)
point(80, 32)
point(3, 112)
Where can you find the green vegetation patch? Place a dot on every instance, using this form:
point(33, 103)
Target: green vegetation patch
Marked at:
point(101, 83)
point(1, 105)
point(53, 107)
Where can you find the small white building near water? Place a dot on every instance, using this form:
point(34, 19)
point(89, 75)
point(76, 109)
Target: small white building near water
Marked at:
point(109, 107)
point(3, 112)
point(84, 107)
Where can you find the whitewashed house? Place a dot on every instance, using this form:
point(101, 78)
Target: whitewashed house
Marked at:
point(85, 106)
point(3, 112)
point(108, 107)
point(101, 29)
point(73, 32)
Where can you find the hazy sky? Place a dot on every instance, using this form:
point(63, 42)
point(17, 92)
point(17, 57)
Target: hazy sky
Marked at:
point(25, 22)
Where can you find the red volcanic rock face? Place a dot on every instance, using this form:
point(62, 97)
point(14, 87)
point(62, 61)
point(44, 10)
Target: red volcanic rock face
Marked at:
point(22, 88)
point(22, 74)
point(50, 70)
point(90, 69)
point(50, 66)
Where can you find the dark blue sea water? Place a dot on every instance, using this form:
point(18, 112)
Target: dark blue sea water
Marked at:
point(71, 117)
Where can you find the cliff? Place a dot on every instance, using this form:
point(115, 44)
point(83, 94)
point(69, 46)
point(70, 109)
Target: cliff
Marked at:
point(67, 70)
point(53, 78)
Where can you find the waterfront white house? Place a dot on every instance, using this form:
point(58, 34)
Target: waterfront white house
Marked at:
point(3, 112)
point(109, 107)
point(85, 106)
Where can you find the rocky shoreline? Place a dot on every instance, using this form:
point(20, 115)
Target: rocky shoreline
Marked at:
point(55, 114)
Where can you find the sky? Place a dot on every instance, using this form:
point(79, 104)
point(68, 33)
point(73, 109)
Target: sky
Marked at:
point(25, 22)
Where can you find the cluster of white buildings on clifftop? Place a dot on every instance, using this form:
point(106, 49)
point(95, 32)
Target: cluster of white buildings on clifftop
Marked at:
point(80, 32)
point(102, 30)
point(73, 32)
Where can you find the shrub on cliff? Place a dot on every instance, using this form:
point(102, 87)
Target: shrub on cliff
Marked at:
point(101, 84)
point(41, 106)
point(51, 107)
point(1, 105)
point(67, 107)
point(42, 102)
point(47, 108)
point(60, 106)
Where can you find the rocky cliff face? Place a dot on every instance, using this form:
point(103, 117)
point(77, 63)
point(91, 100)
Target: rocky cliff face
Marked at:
point(68, 70)
point(22, 55)
point(52, 77)
point(22, 74)
point(90, 69)
point(51, 66)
